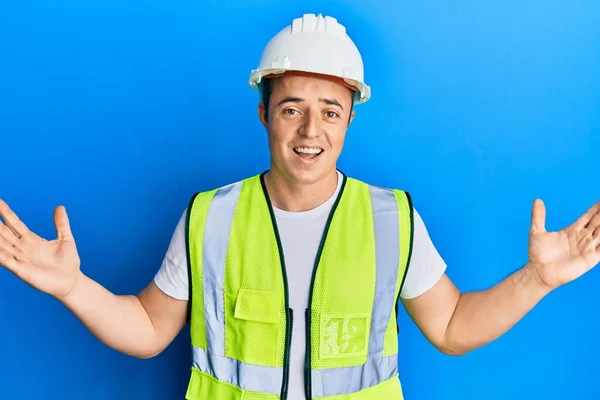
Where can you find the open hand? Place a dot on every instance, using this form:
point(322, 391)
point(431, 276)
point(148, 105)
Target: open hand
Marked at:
point(49, 266)
point(563, 256)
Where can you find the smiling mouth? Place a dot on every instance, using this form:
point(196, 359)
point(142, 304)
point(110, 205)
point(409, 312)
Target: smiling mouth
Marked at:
point(308, 153)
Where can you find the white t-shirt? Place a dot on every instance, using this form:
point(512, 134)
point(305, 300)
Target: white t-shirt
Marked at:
point(300, 234)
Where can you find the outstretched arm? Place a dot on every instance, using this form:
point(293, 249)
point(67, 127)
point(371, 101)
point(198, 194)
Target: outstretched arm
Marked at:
point(141, 326)
point(458, 323)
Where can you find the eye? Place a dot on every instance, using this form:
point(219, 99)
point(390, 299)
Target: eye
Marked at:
point(290, 111)
point(331, 114)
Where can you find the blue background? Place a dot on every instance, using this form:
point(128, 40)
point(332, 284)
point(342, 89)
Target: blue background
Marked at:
point(122, 109)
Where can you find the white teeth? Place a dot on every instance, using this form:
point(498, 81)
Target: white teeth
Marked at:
point(308, 150)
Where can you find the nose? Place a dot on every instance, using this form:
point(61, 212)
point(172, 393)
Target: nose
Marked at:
point(310, 128)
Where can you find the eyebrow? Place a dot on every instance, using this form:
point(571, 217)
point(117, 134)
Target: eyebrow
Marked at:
point(290, 100)
point(331, 102)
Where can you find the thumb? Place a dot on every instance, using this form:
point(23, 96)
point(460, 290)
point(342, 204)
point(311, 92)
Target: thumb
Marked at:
point(61, 223)
point(538, 217)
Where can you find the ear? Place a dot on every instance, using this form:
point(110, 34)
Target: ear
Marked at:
point(262, 114)
point(352, 114)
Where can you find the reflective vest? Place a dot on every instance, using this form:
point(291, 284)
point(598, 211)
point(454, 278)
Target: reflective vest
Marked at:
point(239, 315)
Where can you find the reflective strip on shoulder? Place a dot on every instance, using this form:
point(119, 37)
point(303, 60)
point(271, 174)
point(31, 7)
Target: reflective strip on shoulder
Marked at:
point(216, 239)
point(250, 377)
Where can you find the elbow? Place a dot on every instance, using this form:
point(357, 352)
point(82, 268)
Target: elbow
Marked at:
point(147, 354)
point(143, 353)
point(455, 351)
point(143, 356)
point(452, 347)
point(148, 347)
point(453, 343)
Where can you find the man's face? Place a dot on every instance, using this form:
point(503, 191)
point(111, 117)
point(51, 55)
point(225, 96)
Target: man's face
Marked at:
point(307, 122)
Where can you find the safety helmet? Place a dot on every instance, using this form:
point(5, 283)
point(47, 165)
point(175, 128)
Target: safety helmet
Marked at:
point(315, 45)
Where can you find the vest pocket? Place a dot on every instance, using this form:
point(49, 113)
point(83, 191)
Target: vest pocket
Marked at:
point(253, 334)
point(257, 305)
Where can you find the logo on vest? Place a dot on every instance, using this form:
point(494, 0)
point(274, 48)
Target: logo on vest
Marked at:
point(344, 335)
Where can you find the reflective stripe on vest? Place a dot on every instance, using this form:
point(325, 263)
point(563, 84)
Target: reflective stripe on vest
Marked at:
point(246, 376)
point(216, 238)
point(213, 362)
point(378, 367)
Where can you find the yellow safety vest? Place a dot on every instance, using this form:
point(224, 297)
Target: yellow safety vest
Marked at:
point(240, 320)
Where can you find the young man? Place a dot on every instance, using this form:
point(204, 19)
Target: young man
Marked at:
point(290, 279)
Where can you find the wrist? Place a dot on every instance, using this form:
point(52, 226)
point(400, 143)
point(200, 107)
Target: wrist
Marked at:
point(532, 272)
point(69, 297)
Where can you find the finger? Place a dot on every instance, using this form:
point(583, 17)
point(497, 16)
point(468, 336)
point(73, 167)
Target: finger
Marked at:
point(8, 259)
point(12, 221)
point(594, 222)
point(8, 235)
point(61, 223)
point(596, 234)
point(583, 221)
point(538, 216)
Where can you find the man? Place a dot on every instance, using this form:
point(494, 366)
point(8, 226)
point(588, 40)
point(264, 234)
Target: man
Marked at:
point(290, 279)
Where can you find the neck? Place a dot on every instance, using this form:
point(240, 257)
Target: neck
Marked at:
point(296, 197)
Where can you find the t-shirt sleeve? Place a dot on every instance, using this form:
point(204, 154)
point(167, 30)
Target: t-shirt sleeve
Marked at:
point(172, 277)
point(426, 265)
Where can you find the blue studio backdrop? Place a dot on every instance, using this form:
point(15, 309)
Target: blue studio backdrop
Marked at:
point(121, 110)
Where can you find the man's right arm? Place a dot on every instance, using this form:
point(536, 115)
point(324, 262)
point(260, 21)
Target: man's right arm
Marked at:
point(140, 326)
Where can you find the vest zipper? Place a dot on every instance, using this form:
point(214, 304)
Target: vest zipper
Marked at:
point(289, 313)
point(307, 359)
point(288, 346)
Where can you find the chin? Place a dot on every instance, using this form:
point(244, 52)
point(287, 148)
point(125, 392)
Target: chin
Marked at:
point(308, 176)
point(304, 174)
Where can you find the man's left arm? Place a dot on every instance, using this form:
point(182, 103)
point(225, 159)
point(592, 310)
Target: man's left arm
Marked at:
point(457, 323)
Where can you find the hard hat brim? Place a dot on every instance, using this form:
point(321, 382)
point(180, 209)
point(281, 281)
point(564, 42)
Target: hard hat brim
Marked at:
point(362, 91)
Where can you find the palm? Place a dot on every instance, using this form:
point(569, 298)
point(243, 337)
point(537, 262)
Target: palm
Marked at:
point(49, 266)
point(560, 257)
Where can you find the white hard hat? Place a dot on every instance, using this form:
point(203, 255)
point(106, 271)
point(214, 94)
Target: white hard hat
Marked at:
point(314, 44)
